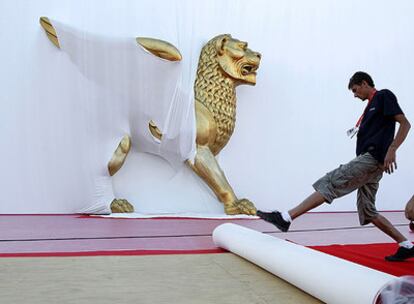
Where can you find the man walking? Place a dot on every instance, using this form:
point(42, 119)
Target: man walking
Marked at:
point(376, 152)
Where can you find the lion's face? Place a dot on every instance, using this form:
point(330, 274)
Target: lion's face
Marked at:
point(236, 60)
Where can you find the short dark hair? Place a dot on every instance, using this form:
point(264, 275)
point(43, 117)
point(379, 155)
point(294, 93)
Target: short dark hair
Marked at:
point(358, 78)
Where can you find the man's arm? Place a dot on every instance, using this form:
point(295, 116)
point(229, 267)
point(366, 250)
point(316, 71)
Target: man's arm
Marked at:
point(390, 162)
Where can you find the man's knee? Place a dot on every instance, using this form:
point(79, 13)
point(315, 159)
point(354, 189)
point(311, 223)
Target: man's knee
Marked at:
point(409, 209)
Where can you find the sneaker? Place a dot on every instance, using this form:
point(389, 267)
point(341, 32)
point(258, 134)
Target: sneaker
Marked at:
point(401, 255)
point(275, 218)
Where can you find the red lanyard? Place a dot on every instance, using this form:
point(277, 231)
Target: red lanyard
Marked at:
point(366, 108)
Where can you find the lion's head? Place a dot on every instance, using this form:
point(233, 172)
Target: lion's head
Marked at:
point(230, 56)
point(236, 59)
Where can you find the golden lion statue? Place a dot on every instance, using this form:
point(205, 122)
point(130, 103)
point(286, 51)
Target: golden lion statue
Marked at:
point(224, 64)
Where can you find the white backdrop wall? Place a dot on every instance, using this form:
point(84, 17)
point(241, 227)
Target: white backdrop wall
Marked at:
point(290, 127)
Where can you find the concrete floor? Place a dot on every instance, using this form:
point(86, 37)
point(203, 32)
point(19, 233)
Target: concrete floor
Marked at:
point(208, 278)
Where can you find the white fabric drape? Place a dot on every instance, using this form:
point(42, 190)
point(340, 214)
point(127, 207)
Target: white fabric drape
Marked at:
point(140, 86)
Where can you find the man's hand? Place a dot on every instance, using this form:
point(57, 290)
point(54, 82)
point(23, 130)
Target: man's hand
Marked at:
point(390, 161)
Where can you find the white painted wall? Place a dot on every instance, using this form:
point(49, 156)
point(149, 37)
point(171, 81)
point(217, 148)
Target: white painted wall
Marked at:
point(290, 127)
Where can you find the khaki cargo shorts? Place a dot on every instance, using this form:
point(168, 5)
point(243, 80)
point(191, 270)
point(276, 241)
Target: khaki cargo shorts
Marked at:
point(363, 173)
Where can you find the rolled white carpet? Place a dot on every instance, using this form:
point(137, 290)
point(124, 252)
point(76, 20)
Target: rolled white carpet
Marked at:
point(328, 278)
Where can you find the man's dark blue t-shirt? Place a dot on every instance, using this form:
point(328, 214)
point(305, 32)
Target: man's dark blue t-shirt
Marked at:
point(377, 128)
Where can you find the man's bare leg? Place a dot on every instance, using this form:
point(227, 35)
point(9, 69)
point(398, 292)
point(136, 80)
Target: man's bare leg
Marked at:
point(312, 201)
point(405, 249)
point(385, 226)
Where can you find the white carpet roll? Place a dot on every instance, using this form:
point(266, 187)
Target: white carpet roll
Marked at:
point(330, 279)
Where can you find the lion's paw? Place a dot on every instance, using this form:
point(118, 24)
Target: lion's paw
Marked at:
point(242, 206)
point(121, 206)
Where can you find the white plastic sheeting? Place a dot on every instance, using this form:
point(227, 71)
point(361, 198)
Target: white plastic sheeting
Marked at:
point(330, 279)
point(138, 87)
point(58, 128)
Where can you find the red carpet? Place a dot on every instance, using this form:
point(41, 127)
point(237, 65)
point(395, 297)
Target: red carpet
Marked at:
point(370, 255)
